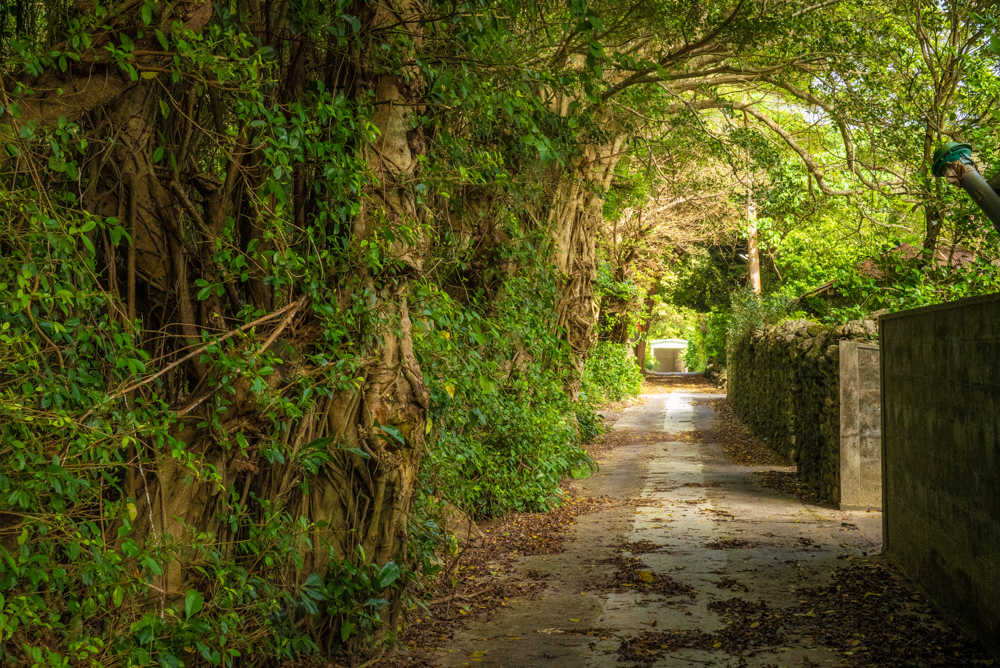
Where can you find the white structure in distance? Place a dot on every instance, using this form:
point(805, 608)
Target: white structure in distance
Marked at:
point(668, 354)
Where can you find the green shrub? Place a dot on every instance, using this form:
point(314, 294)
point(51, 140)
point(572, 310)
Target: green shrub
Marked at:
point(612, 370)
point(691, 357)
point(590, 422)
point(505, 431)
point(751, 312)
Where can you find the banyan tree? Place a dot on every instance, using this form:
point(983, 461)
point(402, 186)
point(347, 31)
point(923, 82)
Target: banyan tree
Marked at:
point(215, 217)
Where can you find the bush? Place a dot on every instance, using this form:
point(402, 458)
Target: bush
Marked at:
point(709, 340)
point(692, 360)
point(612, 371)
point(505, 431)
point(751, 312)
point(590, 422)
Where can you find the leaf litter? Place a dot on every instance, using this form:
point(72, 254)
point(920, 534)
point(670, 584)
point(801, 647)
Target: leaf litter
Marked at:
point(787, 482)
point(870, 613)
point(739, 443)
point(632, 574)
point(866, 613)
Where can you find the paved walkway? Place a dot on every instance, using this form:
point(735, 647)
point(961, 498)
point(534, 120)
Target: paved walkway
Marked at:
point(679, 498)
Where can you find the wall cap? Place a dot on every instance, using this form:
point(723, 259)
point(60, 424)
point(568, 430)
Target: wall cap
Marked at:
point(959, 303)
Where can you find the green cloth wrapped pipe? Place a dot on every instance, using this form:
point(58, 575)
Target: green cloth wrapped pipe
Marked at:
point(953, 161)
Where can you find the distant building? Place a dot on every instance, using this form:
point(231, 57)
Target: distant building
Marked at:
point(669, 354)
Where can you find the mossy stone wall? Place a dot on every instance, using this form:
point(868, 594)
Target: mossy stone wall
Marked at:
point(785, 386)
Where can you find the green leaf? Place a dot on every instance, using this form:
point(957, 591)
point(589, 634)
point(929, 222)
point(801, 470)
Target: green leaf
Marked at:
point(168, 660)
point(394, 433)
point(147, 12)
point(193, 603)
point(388, 574)
point(346, 629)
point(311, 445)
point(359, 452)
point(153, 567)
point(129, 548)
point(488, 385)
point(118, 596)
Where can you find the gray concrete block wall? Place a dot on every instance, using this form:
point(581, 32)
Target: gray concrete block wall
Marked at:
point(941, 467)
point(860, 427)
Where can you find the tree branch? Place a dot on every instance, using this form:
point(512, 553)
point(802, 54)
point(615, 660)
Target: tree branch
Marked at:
point(805, 155)
point(674, 56)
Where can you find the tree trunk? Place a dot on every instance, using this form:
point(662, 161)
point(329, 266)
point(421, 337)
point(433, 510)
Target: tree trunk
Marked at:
point(574, 219)
point(753, 253)
point(368, 440)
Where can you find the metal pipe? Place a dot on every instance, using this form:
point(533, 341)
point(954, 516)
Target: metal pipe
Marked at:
point(953, 161)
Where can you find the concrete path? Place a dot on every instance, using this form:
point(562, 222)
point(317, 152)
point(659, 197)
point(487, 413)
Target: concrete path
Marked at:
point(675, 498)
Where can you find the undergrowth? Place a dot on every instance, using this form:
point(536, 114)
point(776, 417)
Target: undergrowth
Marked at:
point(611, 373)
point(504, 429)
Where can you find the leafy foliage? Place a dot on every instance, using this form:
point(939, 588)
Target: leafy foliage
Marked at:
point(612, 372)
point(505, 429)
point(895, 282)
point(709, 340)
point(751, 312)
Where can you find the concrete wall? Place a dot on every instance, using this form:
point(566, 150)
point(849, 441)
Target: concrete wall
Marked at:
point(860, 427)
point(668, 359)
point(941, 465)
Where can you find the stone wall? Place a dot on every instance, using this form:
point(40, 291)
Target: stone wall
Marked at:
point(784, 384)
point(941, 455)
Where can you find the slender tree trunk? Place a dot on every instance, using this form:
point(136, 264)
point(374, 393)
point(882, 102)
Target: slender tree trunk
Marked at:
point(932, 211)
point(753, 252)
